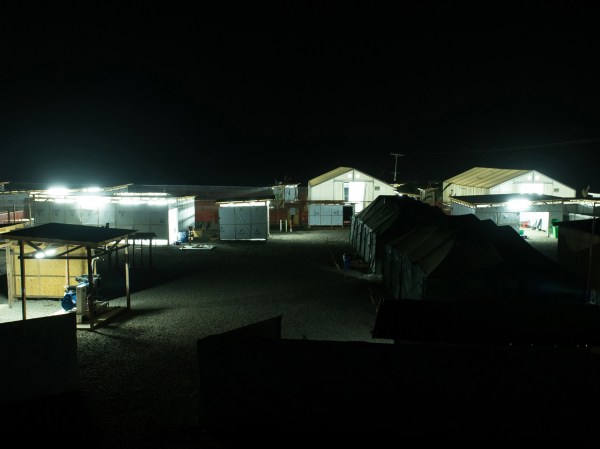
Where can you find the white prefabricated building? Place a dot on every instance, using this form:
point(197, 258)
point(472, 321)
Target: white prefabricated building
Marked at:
point(163, 214)
point(519, 211)
point(493, 181)
point(348, 186)
point(244, 220)
point(325, 214)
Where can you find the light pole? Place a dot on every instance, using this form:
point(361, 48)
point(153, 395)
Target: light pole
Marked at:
point(396, 155)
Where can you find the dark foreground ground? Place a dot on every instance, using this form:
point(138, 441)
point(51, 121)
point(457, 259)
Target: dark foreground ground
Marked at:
point(138, 374)
point(141, 380)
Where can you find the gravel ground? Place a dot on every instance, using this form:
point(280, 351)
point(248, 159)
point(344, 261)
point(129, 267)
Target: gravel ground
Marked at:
point(138, 373)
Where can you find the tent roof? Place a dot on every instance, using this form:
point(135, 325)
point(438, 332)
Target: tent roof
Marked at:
point(503, 198)
point(393, 212)
point(468, 245)
point(485, 177)
point(329, 175)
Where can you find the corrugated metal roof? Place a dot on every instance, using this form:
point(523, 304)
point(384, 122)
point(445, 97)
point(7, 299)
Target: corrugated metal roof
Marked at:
point(486, 177)
point(329, 175)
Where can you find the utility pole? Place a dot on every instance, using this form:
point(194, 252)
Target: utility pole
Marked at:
point(396, 155)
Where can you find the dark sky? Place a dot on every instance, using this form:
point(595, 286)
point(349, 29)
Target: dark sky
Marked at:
point(208, 106)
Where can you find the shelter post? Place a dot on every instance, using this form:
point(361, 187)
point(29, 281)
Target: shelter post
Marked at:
point(127, 274)
point(90, 295)
point(23, 293)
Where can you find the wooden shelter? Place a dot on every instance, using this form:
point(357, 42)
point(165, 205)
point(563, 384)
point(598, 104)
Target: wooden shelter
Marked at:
point(77, 246)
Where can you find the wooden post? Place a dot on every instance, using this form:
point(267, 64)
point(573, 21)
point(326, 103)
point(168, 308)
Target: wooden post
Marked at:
point(10, 279)
point(127, 275)
point(132, 251)
point(90, 290)
point(23, 294)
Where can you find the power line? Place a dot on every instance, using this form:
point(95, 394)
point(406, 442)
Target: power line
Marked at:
point(494, 150)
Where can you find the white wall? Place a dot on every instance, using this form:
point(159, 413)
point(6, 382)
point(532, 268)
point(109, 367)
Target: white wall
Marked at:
point(142, 217)
point(535, 182)
point(531, 182)
point(244, 221)
point(363, 189)
point(462, 190)
point(325, 215)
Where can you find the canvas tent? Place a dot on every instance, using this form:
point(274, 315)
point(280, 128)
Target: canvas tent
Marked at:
point(470, 259)
point(387, 217)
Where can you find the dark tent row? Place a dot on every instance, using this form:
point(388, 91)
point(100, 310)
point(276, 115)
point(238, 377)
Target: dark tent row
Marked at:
point(430, 255)
point(385, 218)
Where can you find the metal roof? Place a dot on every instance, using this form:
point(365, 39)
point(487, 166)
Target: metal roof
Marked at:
point(71, 234)
point(502, 198)
point(486, 177)
point(329, 175)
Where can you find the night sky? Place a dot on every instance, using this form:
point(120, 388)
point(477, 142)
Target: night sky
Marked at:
point(208, 106)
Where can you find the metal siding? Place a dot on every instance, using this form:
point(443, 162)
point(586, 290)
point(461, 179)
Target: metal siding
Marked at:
point(260, 214)
point(57, 213)
point(141, 215)
point(508, 219)
point(243, 222)
point(227, 231)
point(90, 217)
point(314, 215)
point(159, 215)
point(107, 214)
point(459, 209)
point(161, 230)
point(41, 212)
point(124, 216)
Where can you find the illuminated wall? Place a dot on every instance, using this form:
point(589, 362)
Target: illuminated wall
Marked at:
point(244, 221)
point(352, 187)
point(144, 214)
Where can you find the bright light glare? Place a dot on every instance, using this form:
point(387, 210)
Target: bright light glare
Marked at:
point(527, 187)
point(57, 191)
point(64, 201)
point(92, 202)
point(518, 205)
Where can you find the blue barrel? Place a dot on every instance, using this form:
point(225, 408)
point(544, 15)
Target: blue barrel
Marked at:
point(183, 236)
point(347, 258)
